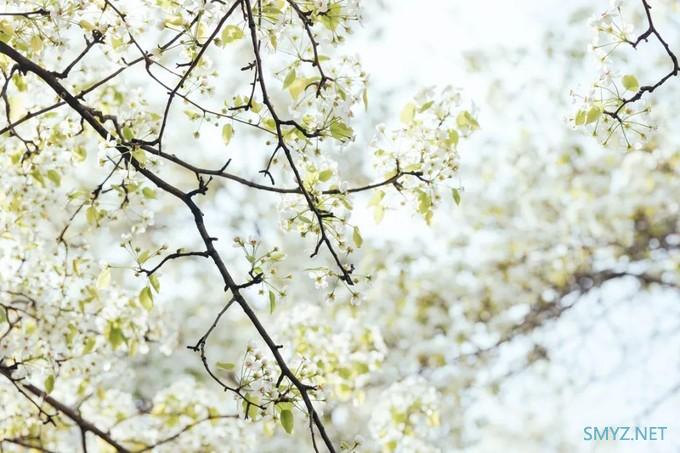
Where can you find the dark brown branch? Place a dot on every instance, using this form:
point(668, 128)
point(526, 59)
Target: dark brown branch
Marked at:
point(188, 72)
point(324, 238)
point(675, 70)
point(173, 256)
point(230, 284)
point(64, 409)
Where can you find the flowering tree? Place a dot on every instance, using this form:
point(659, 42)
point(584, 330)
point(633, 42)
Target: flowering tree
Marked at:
point(128, 348)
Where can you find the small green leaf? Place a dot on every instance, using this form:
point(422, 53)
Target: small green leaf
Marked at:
point(85, 25)
point(341, 131)
point(290, 78)
point(128, 134)
point(452, 139)
point(146, 298)
point(630, 82)
point(378, 213)
point(104, 278)
point(89, 345)
point(54, 176)
point(408, 114)
point(115, 336)
point(456, 196)
point(580, 118)
point(149, 193)
point(79, 153)
point(356, 236)
point(466, 120)
point(92, 215)
point(272, 301)
point(49, 383)
point(154, 282)
point(325, 175)
point(297, 87)
point(227, 366)
point(227, 133)
point(287, 420)
point(231, 33)
point(139, 155)
point(593, 114)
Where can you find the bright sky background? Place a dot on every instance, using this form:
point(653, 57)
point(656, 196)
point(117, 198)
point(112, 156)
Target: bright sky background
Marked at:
point(408, 44)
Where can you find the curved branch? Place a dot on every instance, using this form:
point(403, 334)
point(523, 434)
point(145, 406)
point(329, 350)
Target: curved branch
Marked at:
point(64, 409)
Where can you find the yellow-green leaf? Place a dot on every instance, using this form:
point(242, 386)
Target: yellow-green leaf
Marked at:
point(408, 113)
point(54, 176)
point(227, 133)
point(456, 195)
point(272, 301)
point(630, 82)
point(149, 193)
point(92, 215)
point(356, 236)
point(146, 298)
point(49, 383)
point(290, 78)
point(325, 175)
point(231, 33)
point(155, 283)
point(593, 114)
point(104, 278)
point(287, 420)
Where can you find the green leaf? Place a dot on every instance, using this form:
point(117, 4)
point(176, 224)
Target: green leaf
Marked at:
point(139, 155)
point(331, 19)
point(297, 87)
point(272, 301)
point(580, 118)
point(287, 420)
point(452, 139)
point(154, 282)
point(89, 345)
point(128, 134)
point(35, 174)
point(408, 114)
point(49, 383)
point(227, 133)
point(593, 114)
point(6, 31)
point(79, 153)
point(341, 131)
point(456, 196)
point(466, 120)
point(3, 315)
point(231, 33)
point(325, 175)
point(85, 25)
point(146, 298)
point(115, 336)
point(378, 213)
point(227, 366)
point(356, 236)
point(630, 82)
point(104, 278)
point(54, 176)
point(92, 215)
point(36, 43)
point(149, 193)
point(290, 78)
